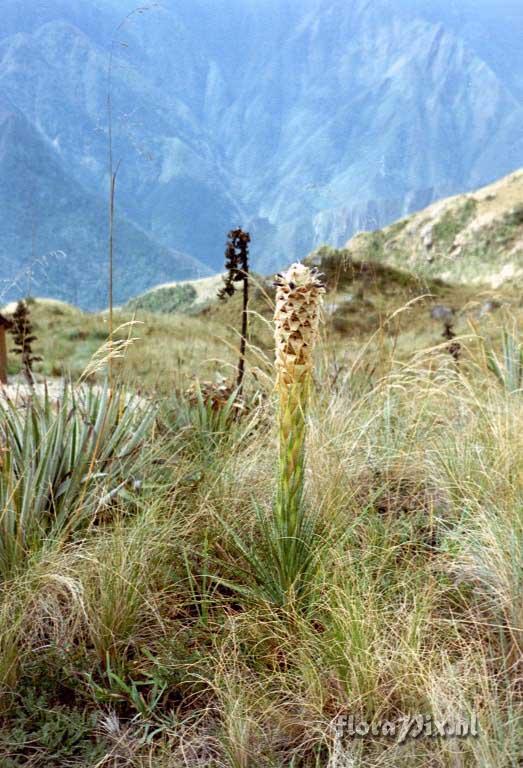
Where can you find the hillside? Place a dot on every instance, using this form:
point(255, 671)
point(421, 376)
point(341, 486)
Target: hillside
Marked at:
point(266, 115)
point(462, 248)
point(460, 258)
point(150, 614)
point(144, 617)
point(474, 239)
point(179, 334)
point(182, 296)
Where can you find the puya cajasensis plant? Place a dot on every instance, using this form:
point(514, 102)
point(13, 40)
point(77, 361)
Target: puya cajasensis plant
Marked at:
point(24, 338)
point(282, 561)
point(237, 266)
point(296, 319)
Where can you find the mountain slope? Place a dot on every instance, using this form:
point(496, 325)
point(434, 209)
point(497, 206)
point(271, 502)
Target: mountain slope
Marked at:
point(304, 122)
point(42, 204)
point(454, 247)
point(475, 238)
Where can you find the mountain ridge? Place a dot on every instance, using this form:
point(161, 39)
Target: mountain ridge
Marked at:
point(473, 239)
point(303, 123)
point(24, 154)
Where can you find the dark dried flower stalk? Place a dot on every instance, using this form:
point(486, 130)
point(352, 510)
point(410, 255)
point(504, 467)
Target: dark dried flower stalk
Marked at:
point(237, 266)
point(22, 331)
point(454, 348)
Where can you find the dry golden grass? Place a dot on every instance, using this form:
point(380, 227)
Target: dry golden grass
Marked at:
point(146, 639)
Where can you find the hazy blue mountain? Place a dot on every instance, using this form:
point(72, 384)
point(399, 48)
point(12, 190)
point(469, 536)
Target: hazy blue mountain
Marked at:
point(304, 120)
point(42, 204)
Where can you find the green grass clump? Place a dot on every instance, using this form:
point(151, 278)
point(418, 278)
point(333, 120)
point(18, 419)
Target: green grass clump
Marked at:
point(508, 368)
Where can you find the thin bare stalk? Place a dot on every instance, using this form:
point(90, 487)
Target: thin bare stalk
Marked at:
point(113, 173)
point(243, 339)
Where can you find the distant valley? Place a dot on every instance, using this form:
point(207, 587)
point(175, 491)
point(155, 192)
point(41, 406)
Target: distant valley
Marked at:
point(303, 122)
